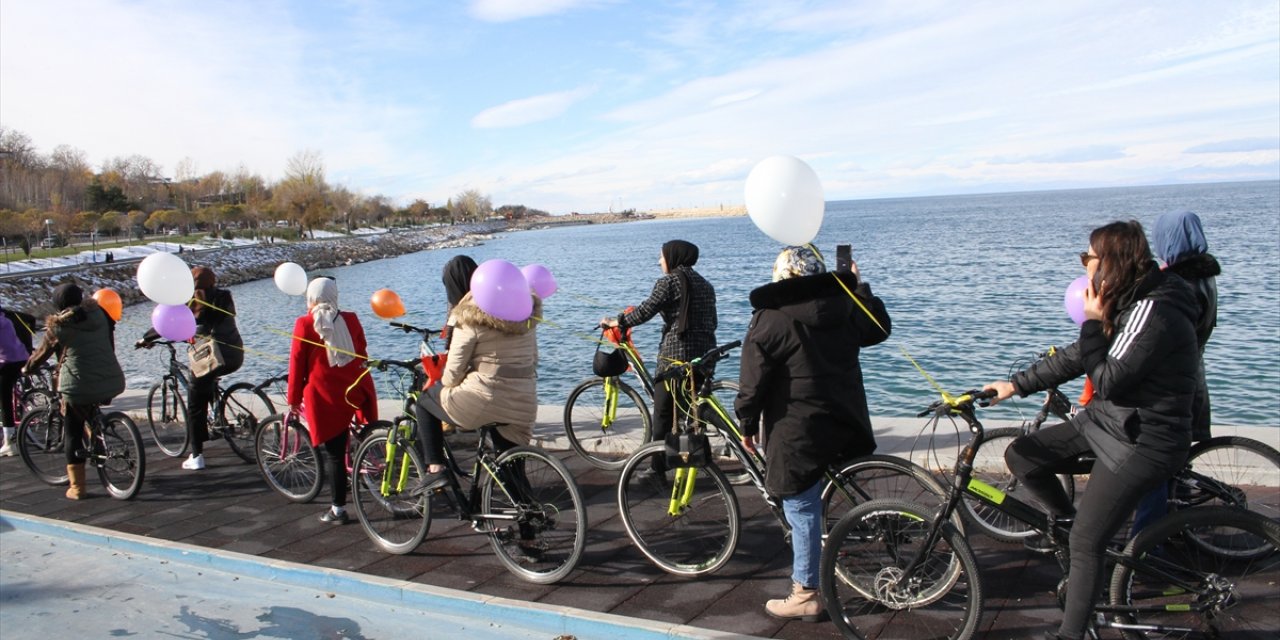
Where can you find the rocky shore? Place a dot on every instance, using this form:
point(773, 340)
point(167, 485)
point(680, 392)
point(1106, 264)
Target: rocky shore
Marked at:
point(243, 264)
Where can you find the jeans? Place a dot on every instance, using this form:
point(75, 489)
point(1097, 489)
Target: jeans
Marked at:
point(804, 514)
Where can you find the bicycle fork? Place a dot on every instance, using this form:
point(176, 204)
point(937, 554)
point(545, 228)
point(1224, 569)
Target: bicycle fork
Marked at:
point(682, 490)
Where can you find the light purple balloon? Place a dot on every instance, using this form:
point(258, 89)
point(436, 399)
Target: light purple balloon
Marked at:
point(500, 290)
point(173, 322)
point(1073, 301)
point(540, 279)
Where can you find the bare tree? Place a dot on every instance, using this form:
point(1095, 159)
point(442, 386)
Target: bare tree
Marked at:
point(470, 205)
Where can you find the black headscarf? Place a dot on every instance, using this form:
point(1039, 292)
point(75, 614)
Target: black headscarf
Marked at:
point(67, 295)
point(457, 278)
point(679, 253)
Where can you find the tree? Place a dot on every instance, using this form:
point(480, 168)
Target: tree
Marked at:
point(100, 198)
point(85, 221)
point(301, 194)
point(470, 205)
point(111, 223)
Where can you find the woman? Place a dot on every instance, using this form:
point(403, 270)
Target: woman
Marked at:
point(1138, 346)
point(687, 303)
point(83, 336)
point(457, 283)
point(801, 377)
point(491, 376)
point(329, 383)
point(15, 348)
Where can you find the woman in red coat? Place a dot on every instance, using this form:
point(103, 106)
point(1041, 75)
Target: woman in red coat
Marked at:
point(330, 384)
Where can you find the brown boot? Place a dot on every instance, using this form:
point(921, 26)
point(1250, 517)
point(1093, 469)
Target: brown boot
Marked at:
point(76, 473)
point(803, 604)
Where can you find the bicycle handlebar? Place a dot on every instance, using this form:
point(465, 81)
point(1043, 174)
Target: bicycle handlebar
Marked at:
point(382, 365)
point(701, 363)
point(963, 401)
point(408, 328)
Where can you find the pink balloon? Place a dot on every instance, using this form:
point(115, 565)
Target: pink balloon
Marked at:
point(1074, 299)
point(540, 279)
point(500, 290)
point(173, 322)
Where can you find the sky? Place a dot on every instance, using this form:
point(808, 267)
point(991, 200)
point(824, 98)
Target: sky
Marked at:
point(597, 105)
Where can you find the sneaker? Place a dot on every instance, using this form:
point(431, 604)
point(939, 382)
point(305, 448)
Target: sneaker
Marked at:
point(803, 604)
point(430, 482)
point(8, 450)
point(336, 519)
point(194, 462)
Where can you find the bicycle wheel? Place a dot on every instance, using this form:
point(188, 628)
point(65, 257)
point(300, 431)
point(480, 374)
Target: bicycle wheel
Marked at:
point(877, 477)
point(37, 399)
point(1172, 581)
point(605, 438)
point(697, 538)
point(724, 391)
point(1235, 472)
point(865, 585)
point(288, 461)
point(40, 445)
point(537, 521)
point(117, 449)
point(240, 409)
point(394, 520)
point(167, 415)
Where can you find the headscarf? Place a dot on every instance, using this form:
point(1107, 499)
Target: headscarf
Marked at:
point(322, 298)
point(67, 295)
point(796, 262)
point(677, 254)
point(1178, 236)
point(457, 278)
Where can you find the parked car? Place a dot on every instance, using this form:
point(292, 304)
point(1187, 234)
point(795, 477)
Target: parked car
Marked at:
point(51, 242)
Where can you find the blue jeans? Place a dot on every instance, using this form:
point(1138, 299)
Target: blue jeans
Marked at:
point(804, 514)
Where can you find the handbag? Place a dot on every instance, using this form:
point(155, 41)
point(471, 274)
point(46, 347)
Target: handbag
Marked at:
point(687, 449)
point(609, 364)
point(204, 356)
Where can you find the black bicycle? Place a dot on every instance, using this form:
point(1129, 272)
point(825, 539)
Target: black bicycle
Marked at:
point(114, 449)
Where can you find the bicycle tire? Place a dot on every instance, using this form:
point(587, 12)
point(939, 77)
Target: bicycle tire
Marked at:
point(989, 466)
point(718, 433)
point(40, 445)
point(240, 407)
point(546, 541)
point(1250, 471)
point(1179, 583)
point(698, 540)
point(119, 456)
point(167, 416)
point(861, 572)
point(875, 477)
point(606, 446)
point(288, 461)
point(36, 399)
point(396, 521)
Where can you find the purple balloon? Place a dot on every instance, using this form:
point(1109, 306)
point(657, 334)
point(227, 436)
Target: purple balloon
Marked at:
point(1074, 299)
point(540, 279)
point(500, 290)
point(173, 322)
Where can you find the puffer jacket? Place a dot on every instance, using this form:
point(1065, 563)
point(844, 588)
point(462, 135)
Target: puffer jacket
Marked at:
point(802, 379)
point(492, 372)
point(83, 336)
point(1144, 376)
point(1201, 272)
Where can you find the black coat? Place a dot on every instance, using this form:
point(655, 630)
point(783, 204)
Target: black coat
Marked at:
point(801, 378)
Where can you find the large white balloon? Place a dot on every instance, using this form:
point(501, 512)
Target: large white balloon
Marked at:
point(291, 278)
point(784, 198)
point(165, 279)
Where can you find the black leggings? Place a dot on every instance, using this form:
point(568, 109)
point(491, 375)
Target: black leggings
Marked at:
point(336, 448)
point(75, 418)
point(9, 375)
point(203, 392)
point(431, 417)
point(1108, 500)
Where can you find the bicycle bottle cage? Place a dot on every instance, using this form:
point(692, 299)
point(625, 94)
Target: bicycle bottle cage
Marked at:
point(687, 449)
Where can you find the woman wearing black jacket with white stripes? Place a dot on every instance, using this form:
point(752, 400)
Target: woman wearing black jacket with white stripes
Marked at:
point(1138, 346)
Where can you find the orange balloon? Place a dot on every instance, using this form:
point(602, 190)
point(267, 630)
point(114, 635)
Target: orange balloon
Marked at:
point(110, 302)
point(386, 304)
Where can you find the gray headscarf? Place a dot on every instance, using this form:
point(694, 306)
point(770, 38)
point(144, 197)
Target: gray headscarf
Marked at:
point(322, 298)
point(1178, 236)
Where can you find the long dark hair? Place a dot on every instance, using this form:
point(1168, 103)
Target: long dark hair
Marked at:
point(1124, 260)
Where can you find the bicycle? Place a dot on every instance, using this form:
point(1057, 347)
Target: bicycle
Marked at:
point(891, 566)
point(114, 448)
point(235, 414)
point(290, 464)
point(523, 499)
point(34, 390)
point(690, 526)
point(606, 419)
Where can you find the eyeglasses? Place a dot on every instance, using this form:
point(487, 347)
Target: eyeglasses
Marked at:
point(1085, 257)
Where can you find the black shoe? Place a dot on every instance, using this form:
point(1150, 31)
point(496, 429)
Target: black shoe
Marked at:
point(430, 482)
point(1039, 543)
point(335, 518)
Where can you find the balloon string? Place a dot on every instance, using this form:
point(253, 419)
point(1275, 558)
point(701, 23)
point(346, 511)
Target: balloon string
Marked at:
point(212, 306)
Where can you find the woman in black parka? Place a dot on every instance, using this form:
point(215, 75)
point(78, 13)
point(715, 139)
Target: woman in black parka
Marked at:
point(802, 381)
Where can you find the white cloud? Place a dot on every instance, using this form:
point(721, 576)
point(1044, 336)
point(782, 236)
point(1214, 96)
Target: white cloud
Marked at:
point(511, 10)
point(529, 110)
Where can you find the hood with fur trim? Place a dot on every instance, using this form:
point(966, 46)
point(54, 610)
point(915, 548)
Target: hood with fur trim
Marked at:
point(469, 313)
point(816, 300)
point(88, 309)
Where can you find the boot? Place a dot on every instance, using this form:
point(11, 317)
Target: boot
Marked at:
point(803, 604)
point(76, 473)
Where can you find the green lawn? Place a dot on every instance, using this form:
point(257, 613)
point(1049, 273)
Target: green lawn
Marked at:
point(13, 253)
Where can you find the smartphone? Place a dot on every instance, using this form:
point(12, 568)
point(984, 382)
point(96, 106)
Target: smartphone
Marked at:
point(844, 258)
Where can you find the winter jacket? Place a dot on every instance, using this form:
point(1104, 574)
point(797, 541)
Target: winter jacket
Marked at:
point(24, 326)
point(1144, 376)
point(329, 395)
point(212, 321)
point(1201, 271)
point(84, 339)
point(492, 372)
point(801, 377)
point(699, 336)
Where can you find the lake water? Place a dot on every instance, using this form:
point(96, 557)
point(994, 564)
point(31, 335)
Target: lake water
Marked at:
point(974, 285)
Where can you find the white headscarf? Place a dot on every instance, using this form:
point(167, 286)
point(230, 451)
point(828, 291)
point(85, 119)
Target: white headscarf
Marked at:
point(322, 298)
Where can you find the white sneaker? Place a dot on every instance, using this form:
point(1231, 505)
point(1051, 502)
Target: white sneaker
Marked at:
point(194, 463)
point(8, 450)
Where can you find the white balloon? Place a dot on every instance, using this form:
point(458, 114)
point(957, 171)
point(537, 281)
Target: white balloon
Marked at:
point(784, 198)
point(165, 279)
point(291, 278)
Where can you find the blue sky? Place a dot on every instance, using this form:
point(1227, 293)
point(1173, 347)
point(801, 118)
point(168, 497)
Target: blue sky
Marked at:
point(583, 105)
